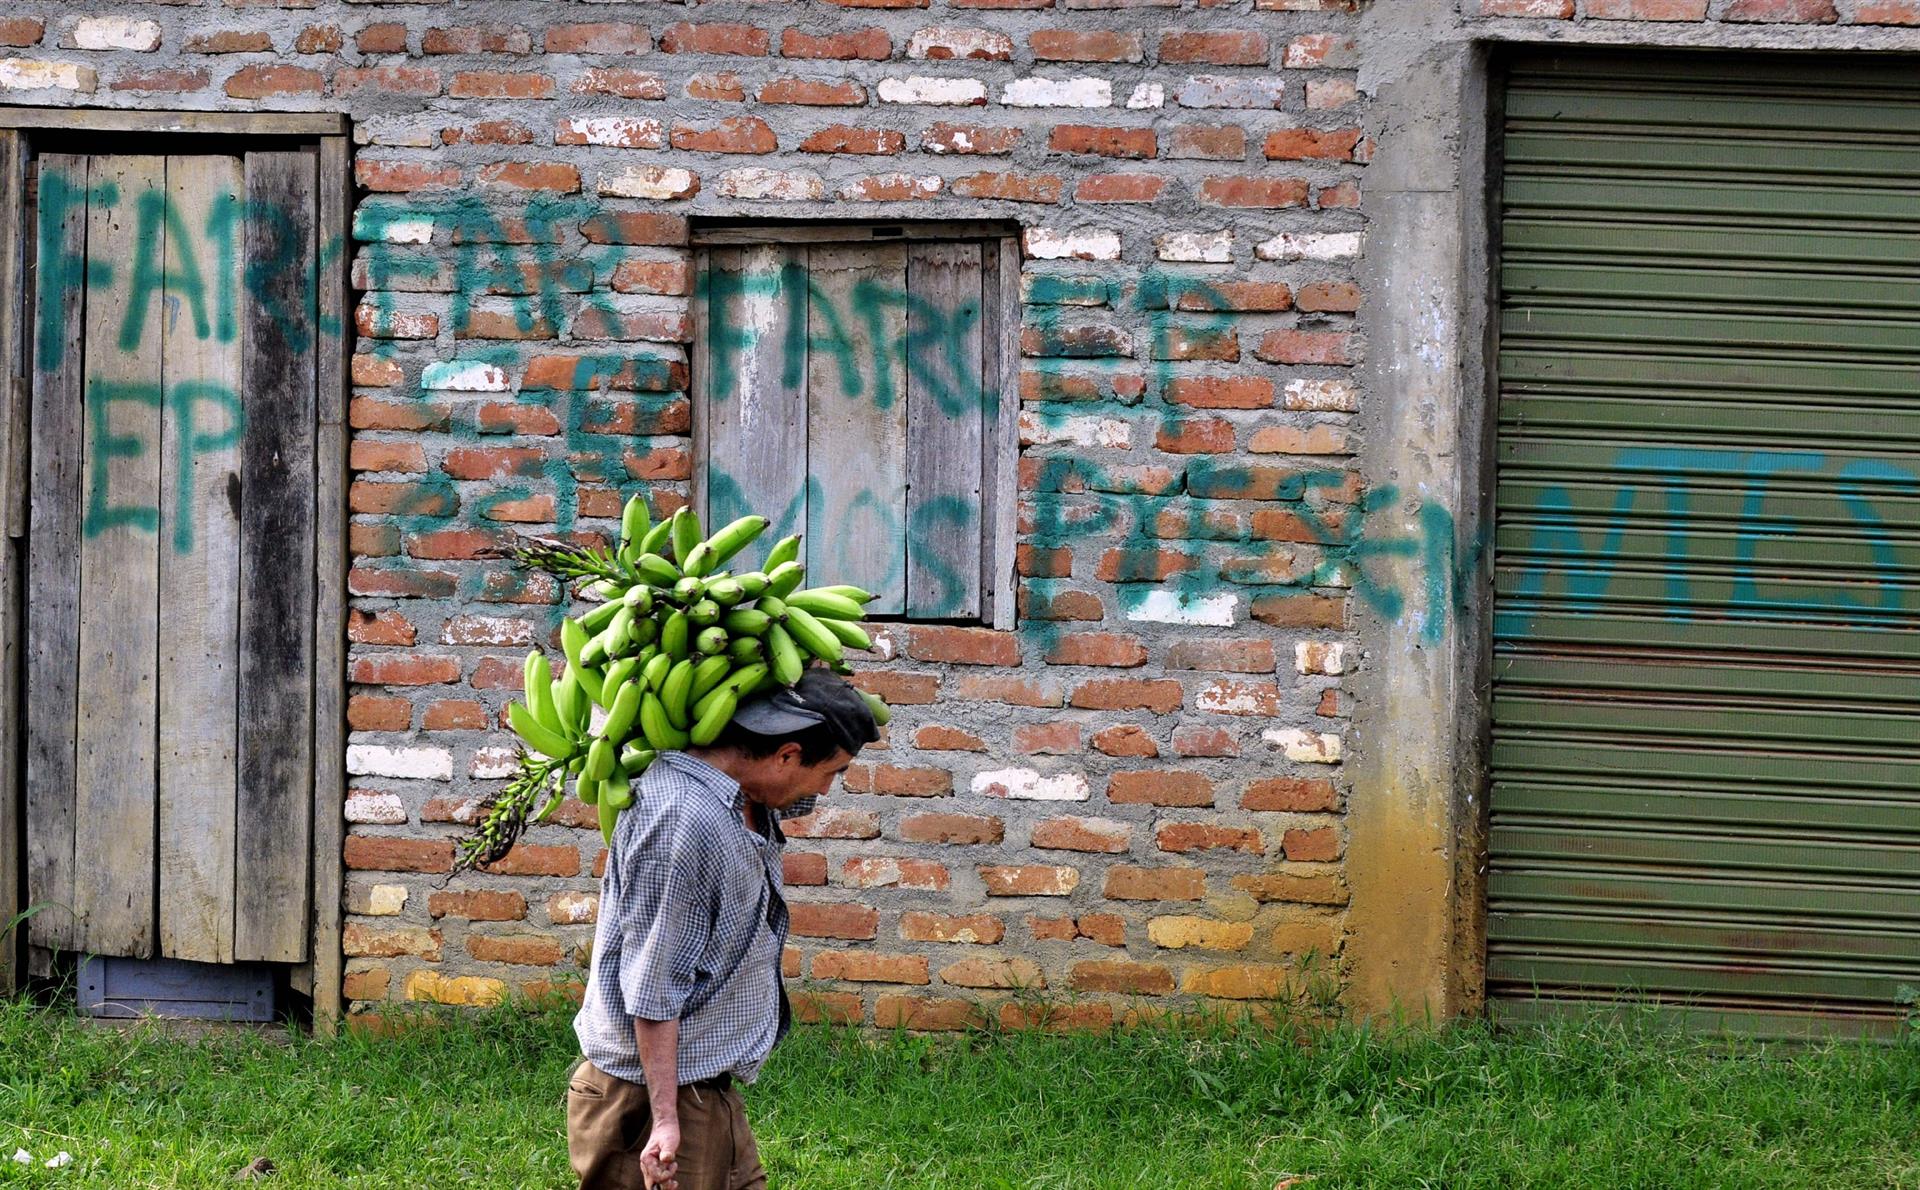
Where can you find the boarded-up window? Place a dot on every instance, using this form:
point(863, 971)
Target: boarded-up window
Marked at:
point(856, 389)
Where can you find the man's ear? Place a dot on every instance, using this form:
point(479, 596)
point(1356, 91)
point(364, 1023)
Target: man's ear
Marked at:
point(789, 753)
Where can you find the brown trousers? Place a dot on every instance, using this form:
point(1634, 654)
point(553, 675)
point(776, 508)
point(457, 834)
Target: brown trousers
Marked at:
point(608, 1120)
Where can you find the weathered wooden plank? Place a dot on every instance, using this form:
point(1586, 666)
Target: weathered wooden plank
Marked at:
point(756, 386)
point(116, 772)
point(53, 551)
point(224, 123)
point(999, 476)
point(200, 559)
point(274, 822)
point(944, 402)
point(330, 576)
point(857, 418)
point(13, 429)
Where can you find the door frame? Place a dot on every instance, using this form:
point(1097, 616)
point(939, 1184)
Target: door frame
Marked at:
point(20, 130)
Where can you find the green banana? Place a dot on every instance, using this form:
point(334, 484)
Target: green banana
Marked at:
point(645, 631)
point(736, 536)
point(674, 691)
point(656, 537)
point(609, 818)
point(772, 605)
point(604, 588)
point(703, 613)
point(726, 592)
point(540, 738)
point(674, 633)
point(587, 791)
point(711, 641)
point(595, 651)
point(707, 675)
point(661, 734)
point(600, 758)
point(745, 649)
point(656, 671)
point(686, 533)
point(619, 634)
point(635, 520)
point(881, 711)
point(708, 726)
point(746, 621)
point(745, 678)
point(634, 759)
point(537, 686)
point(785, 550)
point(847, 590)
point(620, 716)
point(599, 617)
point(689, 589)
point(592, 684)
point(639, 597)
point(573, 638)
point(657, 570)
point(752, 583)
point(617, 791)
point(571, 701)
point(826, 605)
point(851, 635)
point(782, 579)
point(784, 655)
point(700, 560)
point(618, 674)
point(812, 635)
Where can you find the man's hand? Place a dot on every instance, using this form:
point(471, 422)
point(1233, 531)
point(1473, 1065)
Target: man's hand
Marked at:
point(659, 1157)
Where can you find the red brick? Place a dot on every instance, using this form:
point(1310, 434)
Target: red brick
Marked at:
point(1253, 192)
point(1298, 794)
point(845, 138)
point(899, 689)
point(1868, 12)
point(318, 39)
point(803, 868)
point(405, 669)
point(813, 93)
point(1202, 836)
point(404, 176)
point(962, 646)
point(1009, 187)
point(22, 31)
point(1013, 691)
point(1125, 739)
point(384, 853)
point(495, 462)
point(980, 928)
point(1160, 787)
point(1195, 435)
point(598, 38)
point(993, 973)
point(870, 967)
point(1803, 12)
point(1215, 49)
point(1162, 697)
point(371, 712)
point(476, 39)
point(489, 84)
point(522, 950)
point(455, 544)
point(969, 139)
point(1068, 45)
point(388, 37)
point(1134, 143)
point(224, 41)
point(371, 984)
point(889, 872)
point(1086, 1017)
point(531, 175)
point(404, 499)
point(1035, 561)
point(719, 86)
point(455, 715)
point(1226, 656)
point(1208, 142)
point(1234, 296)
point(379, 628)
point(1127, 883)
point(951, 828)
point(1098, 648)
point(1321, 845)
point(478, 905)
point(738, 134)
point(1300, 611)
point(1553, 10)
point(401, 584)
point(1196, 740)
point(1082, 834)
point(1221, 392)
point(366, 941)
point(834, 1008)
point(816, 919)
point(872, 45)
point(1058, 738)
point(1342, 195)
point(1028, 880)
point(1059, 605)
point(529, 859)
point(686, 37)
point(368, 413)
point(1304, 347)
point(894, 187)
point(1319, 889)
point(1298, 144)
point(266, 82)
point(898, 781)
point(833, 822)
point(1143, 566)
point(1119, 188)
point(1336, 297)
point(927, 1013)
point(1122, 978)
point(938, 737)
point(168, 81)
point(626, 84)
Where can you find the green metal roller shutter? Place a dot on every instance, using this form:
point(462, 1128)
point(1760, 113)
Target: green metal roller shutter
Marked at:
point(1706, 699)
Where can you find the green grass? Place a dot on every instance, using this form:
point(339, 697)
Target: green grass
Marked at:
point(479, 1101)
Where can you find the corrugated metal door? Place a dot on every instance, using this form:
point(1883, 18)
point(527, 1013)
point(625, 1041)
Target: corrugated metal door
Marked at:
point(1706, 700)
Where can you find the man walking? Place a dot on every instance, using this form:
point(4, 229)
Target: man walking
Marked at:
point(684, 997)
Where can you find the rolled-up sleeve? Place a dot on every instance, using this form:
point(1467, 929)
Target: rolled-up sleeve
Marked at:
point(667, 921)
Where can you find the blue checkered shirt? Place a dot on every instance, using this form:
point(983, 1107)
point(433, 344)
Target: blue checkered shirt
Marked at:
point(692, 923)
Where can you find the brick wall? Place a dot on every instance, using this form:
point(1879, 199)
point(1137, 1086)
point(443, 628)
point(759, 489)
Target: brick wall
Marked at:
point(1777, 12)
point(1137, 793)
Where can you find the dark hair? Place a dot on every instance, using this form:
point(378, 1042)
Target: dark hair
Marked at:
point(817, 743)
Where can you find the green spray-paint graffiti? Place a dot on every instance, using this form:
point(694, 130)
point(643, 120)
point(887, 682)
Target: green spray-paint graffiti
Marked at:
point(193, 438)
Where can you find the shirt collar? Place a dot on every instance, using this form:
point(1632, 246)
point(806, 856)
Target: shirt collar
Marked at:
point(708, 778)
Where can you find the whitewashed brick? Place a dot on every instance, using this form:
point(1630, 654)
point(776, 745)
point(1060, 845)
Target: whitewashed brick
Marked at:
point(490, 764)
point(417, 764)
point(1036, 430)
point(1310, 747)
point(656, 182)
point(384, 809)
point(26, 74)
point(1047, 243)
point(1196, 247)
point(613, 132)
point(1288, 245)
point(1320, 657)
point(772, 185)
point(936, 91)
point(912, 186)
point(1080, 92)
point(380, 900)
point(370, 223)
point(116, 33)
point(1029, 785)
point(465, 376)
point(1322, 396)
point(943, 42)
point(1161, 606)
point(486, 630)
point(573, 908)
point(1147, 95)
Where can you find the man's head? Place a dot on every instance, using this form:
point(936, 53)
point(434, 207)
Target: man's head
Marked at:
point(790, 744)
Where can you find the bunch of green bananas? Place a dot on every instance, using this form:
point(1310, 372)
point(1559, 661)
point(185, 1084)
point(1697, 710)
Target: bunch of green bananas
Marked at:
point(674, 647)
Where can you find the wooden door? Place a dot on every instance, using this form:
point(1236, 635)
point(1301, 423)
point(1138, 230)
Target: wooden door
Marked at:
point(170, 609)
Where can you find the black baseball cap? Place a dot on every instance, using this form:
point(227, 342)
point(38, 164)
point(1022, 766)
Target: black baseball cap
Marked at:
point(818, 697)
